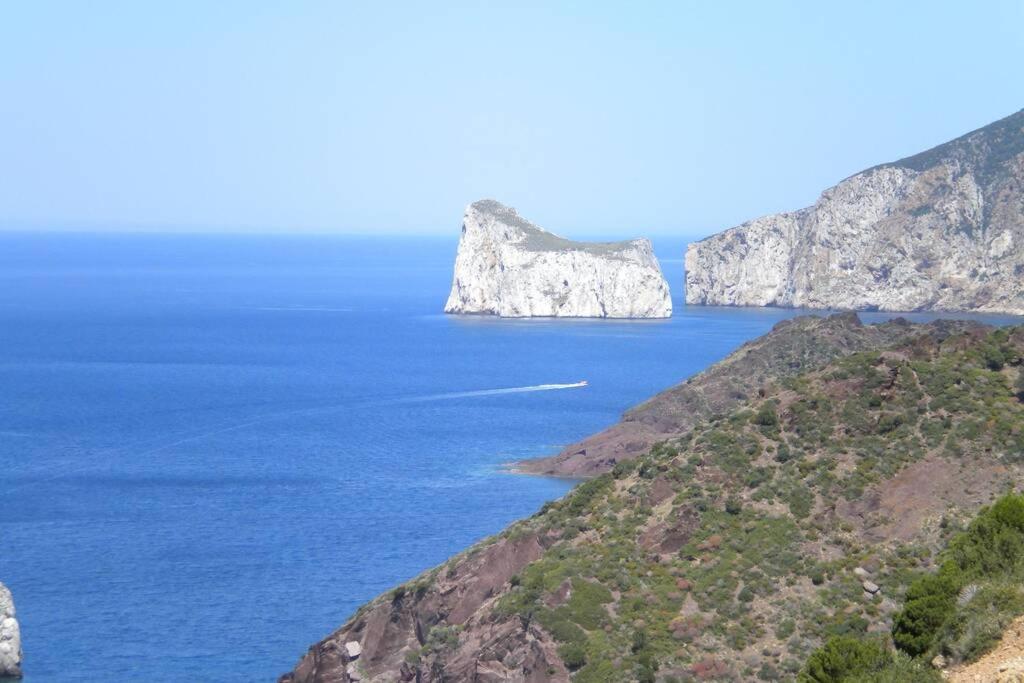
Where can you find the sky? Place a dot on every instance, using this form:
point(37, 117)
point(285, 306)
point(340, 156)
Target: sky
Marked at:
point(591, 118)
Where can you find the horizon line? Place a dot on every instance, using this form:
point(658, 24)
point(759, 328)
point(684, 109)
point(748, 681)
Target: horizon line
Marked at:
point(212, 231)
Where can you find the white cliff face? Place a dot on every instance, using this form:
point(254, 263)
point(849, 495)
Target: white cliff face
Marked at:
point(943, 230)
point(10, 637)
point(509, 267)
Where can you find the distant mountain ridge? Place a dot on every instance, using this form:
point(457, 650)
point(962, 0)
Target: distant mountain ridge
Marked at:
point(939, 230)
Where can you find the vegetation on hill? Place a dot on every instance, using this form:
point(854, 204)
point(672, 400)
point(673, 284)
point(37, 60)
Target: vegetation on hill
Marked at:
point(775, 541)
point(728, 541)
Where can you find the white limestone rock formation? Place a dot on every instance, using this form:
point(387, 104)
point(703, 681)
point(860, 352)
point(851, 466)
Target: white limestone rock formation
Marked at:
point(10, 637)
point(509, 267)
point(941, 230)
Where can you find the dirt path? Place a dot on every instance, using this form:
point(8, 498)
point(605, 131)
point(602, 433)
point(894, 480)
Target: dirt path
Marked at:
point(1004, 664)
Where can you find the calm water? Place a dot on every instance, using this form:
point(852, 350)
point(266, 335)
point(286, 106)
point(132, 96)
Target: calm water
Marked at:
point(212, 449)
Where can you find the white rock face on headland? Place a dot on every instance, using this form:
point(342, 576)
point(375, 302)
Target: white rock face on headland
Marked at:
point(10, 637)
point(941, 230)
point(509, 267)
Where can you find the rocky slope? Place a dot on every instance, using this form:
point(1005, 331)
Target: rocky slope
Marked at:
point(941, 230)
point(798, 512)
point(509, 267)
point(10, 637)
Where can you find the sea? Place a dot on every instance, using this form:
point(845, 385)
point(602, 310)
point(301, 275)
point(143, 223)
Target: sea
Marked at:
point(213, 448)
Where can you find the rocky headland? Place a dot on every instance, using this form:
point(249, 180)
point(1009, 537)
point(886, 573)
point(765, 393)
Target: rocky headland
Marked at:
point(940, 230)
point(509, 267)
point(10, 637)
point(830, 465)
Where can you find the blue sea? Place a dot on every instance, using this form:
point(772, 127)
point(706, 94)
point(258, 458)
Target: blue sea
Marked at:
point(214, 448)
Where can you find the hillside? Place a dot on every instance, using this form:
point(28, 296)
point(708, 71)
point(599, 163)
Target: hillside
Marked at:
point(792, 347)
point(732, 551)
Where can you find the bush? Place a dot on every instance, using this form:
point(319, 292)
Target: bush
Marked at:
point(766, 416)
point(843, 658)
point(561, 629)
point(586, 604)
point(596, 672)
point(930, 602)
point(573, 656)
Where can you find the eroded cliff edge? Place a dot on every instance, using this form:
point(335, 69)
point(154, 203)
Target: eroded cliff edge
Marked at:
point(509, 267)
point(941, 230)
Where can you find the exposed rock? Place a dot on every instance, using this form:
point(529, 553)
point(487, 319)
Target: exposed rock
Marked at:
point(10, 636)
point(941, 230)
point(353, 649)
point(459, 595)
point(860, 572)
point(509, 267)
point(870, 587)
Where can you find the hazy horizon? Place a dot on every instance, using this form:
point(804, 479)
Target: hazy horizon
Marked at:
point(594, 122)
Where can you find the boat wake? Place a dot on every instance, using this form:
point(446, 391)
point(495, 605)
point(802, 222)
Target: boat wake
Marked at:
point(491, 392)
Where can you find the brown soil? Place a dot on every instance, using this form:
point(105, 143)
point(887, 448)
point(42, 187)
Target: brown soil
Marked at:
point(1004, 664)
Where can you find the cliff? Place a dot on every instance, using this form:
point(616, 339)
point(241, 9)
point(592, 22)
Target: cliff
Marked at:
point(941, 230)
point(10, 637)
point(796, 513)
point(509, 267)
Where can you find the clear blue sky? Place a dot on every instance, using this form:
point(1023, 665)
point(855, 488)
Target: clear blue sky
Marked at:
point(591, 118)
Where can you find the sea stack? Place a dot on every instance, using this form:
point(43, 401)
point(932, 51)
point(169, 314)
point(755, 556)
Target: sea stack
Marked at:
point(10, 637)
point(941, 230)
point(509, 267)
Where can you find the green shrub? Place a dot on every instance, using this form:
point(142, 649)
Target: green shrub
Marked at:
point(596, 672)
point(561, 629)
point(843, 658)
point(930, 602)
point(766, 416)
point(586, 604)
point(573, 655)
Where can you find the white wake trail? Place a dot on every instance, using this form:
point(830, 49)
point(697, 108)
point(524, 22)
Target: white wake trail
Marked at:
point(491, 392)
point(273, 417)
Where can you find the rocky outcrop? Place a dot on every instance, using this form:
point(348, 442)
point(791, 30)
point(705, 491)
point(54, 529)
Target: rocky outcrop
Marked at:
point(941, 230)
point(449, 609)
point(10, 637)
point(509, 267)
point(792, 347)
